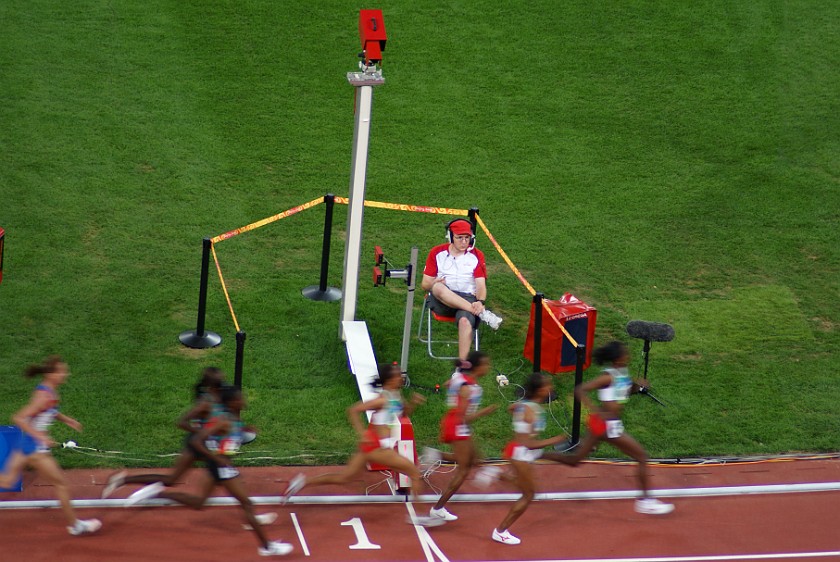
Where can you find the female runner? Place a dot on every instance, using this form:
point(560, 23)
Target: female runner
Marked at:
point(214, 443)
point(528, 423)
point(375, 443)
point(34, 420)
point(463, 398)
point(205, 407)
point(614, 387)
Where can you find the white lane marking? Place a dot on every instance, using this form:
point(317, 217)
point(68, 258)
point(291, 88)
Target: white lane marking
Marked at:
point(712, 558)
point(430, 548)
point(704, 492)
point(362, 540)
point(299, 531)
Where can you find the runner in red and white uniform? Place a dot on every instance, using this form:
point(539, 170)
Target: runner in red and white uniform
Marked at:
point(34, 421)
point(463, 398)
point(526, 448)
point(614, 387)
point(375, 443)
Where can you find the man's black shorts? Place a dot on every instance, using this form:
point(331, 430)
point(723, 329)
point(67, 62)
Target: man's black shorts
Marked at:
point(445, 310)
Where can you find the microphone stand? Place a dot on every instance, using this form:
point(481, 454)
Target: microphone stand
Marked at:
point(646, 390)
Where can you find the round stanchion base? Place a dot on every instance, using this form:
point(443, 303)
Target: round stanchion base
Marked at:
point(193, 340)
point(566, 446)
point(314, 292)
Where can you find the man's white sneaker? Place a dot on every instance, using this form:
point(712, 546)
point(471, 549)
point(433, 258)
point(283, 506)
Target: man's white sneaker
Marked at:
point(492, 320)
point(296, 484)
point(429, 456)
point(652, 506)
point(114, 481)
point(144, 493)
point(442, 513)
point(505, 537)
point(486, 475)
point(263, 519)
point(84, 527)
point(425, 521)
point(276, 548)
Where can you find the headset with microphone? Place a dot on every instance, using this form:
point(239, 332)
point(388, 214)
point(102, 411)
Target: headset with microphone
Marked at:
point(450, 236)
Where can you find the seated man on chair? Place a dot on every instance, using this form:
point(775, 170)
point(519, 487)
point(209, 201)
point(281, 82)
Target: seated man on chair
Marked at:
point(455, 277)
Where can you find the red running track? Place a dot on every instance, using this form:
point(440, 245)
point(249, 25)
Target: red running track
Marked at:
point(747, 526)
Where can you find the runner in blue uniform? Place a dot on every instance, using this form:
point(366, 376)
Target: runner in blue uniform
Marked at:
point(34, 421)
point(205, 407)
point(218, 439)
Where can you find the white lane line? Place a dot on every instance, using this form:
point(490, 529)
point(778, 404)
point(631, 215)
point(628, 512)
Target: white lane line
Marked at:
point(505, 497)
point(430, 548)
point(299, 531)
point(712, 558)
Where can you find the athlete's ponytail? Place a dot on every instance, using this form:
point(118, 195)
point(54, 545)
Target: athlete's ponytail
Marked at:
point(386, 372)
point(50, 365)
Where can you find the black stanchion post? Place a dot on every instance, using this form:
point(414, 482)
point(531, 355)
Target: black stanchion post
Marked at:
point(580, 358)
point(538, 314)
point(240, 355)
point(199, 339)
point(321, 292)
point(473, 211)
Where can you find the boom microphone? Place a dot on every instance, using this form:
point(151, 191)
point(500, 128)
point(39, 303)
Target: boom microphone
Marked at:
point(650, 331)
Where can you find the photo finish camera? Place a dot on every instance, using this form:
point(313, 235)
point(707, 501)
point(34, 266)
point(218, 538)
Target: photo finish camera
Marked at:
point(373, 36)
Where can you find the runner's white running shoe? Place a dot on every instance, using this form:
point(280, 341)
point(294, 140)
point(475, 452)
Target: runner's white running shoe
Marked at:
point(114, 481)
point(276, 548)
point(84, 527)
point(425, 521)
point(296, 484)
point(505, 537)
point(492, 320)
point(145, 493)
point(263, 519)
point(486, 475)
point(652, 506)
point(442, 513)
point(429, 455)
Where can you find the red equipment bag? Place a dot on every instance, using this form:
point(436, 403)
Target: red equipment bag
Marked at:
point(558, 355)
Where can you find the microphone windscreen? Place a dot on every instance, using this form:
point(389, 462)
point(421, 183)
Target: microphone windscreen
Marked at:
point(650, 331)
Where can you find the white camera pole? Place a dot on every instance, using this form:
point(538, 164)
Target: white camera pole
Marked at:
point(372, 31)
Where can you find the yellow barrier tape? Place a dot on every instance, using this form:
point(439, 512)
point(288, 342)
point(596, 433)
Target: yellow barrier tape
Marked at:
point(411, 208)
point(265, 221)
point(522, 279)
point(224, 286)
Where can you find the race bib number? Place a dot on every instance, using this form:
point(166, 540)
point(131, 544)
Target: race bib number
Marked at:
point(462, 430)
point(614, 429)
point(227, 472)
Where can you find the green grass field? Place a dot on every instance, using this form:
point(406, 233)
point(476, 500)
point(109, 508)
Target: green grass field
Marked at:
point(669, 162)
